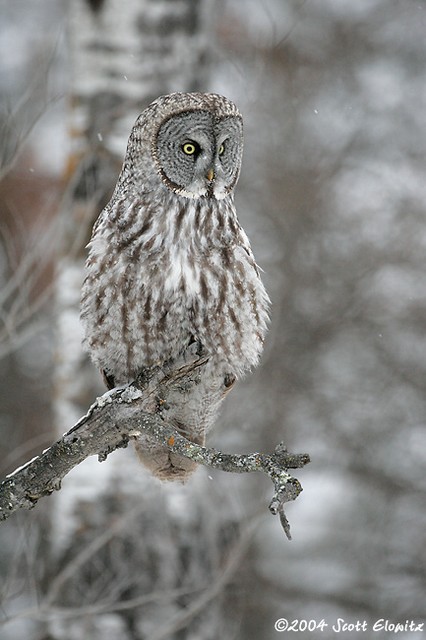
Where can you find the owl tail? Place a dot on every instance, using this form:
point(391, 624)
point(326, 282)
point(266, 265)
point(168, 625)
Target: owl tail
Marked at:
point(163, 463)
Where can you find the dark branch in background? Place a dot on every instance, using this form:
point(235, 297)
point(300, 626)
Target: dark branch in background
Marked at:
point(121, 414)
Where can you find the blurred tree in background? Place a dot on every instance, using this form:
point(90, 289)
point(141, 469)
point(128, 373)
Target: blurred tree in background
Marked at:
point(332, 196)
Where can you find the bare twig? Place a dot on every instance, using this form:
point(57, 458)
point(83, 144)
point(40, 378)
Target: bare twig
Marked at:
point(201, 600)
point(120, 415)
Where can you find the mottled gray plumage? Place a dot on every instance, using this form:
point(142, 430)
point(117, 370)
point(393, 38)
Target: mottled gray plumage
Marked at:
point(169, 265)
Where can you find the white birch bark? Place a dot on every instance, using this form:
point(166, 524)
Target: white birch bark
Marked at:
point(113, 549)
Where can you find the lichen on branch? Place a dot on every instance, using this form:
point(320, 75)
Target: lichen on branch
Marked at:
point(120, 415)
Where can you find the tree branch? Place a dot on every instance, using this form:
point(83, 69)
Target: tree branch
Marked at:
point(121, 414)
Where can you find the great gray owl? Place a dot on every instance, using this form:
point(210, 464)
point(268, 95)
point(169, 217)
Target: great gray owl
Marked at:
point(169, 265)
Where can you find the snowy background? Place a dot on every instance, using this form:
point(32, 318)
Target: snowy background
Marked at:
point(332, 194)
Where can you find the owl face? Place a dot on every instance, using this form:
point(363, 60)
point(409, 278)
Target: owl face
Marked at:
point(197, 152)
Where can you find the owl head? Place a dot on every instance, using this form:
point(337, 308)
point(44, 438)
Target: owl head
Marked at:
point(191, 142)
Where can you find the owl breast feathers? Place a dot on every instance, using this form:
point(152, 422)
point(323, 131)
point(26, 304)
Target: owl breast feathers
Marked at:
point(169, 265)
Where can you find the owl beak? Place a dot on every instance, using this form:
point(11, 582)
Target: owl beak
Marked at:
point(210, 175)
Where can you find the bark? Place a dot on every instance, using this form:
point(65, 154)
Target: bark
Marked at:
point(123, 55)
point(119, 415)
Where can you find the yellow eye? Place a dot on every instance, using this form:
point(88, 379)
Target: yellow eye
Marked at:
point(221, 149)
point(189, 148)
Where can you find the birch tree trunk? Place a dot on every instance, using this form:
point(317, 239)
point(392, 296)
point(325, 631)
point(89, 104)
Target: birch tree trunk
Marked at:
point(122, 565)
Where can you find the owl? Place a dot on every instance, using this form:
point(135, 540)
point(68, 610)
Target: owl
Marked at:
point(169, 266)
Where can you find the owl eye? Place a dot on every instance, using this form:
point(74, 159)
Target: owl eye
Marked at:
point(221, 149)
point(190, 148)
